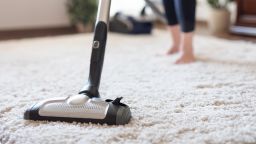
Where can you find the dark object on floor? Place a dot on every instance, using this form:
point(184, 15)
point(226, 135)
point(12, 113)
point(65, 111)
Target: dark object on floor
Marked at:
point(127, 24)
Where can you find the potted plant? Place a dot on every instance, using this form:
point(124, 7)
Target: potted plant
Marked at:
point(82, 14)
point(219, 16)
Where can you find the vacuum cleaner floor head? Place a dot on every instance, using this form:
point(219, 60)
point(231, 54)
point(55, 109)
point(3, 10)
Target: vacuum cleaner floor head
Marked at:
point(86, 106)
point(80, 108)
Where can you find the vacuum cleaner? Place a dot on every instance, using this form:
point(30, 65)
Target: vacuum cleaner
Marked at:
point(86, 106)
point(155, 9)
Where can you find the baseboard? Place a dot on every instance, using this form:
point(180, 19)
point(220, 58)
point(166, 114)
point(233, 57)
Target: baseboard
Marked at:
point(40, 32)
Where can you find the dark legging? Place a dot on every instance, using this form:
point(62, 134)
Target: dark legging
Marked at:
point(181, 12)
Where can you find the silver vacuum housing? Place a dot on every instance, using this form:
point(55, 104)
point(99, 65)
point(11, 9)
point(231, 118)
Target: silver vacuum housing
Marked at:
point(80, 108)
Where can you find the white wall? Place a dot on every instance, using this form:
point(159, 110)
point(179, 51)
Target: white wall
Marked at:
point(22, 14)
point(202, 10)
point(19, 14)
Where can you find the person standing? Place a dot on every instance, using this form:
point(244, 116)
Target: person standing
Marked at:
point(180, 15)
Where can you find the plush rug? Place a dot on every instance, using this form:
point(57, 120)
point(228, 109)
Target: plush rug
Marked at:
point(211, 101)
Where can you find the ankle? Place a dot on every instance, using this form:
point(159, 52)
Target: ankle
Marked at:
point(186, 49)
point(187, 52)
point(174, 46)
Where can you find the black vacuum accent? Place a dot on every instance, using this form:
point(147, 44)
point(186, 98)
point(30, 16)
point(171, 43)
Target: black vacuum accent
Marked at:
point(97, 59)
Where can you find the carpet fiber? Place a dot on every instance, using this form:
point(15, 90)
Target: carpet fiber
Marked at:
point(210, 101)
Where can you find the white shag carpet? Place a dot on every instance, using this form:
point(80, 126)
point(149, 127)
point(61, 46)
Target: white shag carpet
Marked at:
point(211, 101)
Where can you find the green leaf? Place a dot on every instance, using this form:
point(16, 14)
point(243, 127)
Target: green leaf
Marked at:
point(83, 11)
point(216, 4)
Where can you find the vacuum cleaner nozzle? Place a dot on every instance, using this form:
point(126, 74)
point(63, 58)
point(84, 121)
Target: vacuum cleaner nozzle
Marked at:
point(70, 109)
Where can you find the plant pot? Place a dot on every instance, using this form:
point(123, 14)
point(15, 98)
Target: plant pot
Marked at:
point(219, 20)
point(81, 28)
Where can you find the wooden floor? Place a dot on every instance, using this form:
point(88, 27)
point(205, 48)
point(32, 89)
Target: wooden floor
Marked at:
point(18, 34)
point(202, 29)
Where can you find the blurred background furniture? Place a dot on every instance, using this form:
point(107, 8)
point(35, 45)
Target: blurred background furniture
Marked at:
point(246, 18)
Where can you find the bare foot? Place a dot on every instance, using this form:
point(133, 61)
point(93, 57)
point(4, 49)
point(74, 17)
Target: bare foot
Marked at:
point(173, 50)
point(186, 58)
point(186, 47)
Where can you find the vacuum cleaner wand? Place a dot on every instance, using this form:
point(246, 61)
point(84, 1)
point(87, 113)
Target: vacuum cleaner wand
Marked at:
point(86, 106)
point(98, 50)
